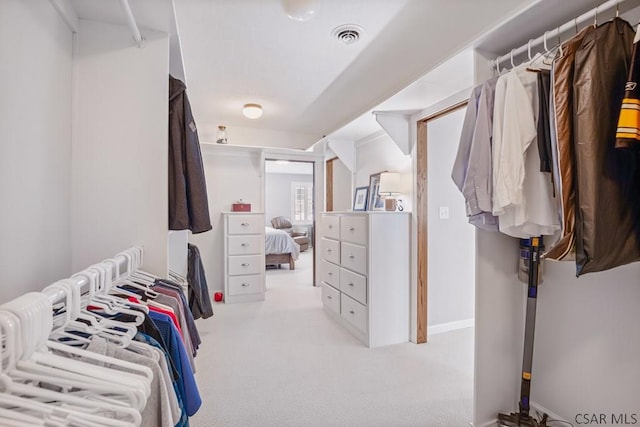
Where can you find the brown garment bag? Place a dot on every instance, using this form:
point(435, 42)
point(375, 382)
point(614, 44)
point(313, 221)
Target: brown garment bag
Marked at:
point(605, 236)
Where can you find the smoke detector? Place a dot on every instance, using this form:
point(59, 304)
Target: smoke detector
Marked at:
point(348, 33)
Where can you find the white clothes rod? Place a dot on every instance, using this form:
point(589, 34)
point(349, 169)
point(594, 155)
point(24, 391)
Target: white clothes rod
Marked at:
point(132, 22)
point(82, 280)
point(591, 17)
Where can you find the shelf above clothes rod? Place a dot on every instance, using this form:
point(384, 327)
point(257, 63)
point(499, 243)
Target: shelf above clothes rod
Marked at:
point(552, 35)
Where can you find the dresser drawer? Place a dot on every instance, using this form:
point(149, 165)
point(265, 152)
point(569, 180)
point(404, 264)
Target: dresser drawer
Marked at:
point(330, 273)
point(242, 285)
point(246, 224)
point(245, 245)
point(354, 257)
point(331, 298)
point(247, 264)
point(330, 226)
point(331, 250)
point(354, 229)
point(354, 285)
point(354, 312)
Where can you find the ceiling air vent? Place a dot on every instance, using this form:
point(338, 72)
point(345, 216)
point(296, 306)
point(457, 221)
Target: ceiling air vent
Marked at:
point(347, 34)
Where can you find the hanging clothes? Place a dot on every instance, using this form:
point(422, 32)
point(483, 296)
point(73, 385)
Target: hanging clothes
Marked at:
point(562, 99)
point(188, 203)
point(544, 125)
point(604, 226)
point(628, 133)
point(199, 299)
point(472, 168)
point(522, 195)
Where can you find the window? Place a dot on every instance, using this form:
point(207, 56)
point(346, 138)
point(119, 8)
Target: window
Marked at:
point(302, 197)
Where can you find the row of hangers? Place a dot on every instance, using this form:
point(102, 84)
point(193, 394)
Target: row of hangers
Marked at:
point(43, 335)
point(547, 56)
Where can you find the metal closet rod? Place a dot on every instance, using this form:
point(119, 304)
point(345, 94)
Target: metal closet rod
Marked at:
point(132, 22)
point(585, 17)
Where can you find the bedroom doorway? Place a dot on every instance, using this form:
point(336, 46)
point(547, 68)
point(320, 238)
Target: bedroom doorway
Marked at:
point(289, 215)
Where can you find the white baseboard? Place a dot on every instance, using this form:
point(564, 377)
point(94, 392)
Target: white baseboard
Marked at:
point(534, 407)
point(489, 424)
point(450, 326)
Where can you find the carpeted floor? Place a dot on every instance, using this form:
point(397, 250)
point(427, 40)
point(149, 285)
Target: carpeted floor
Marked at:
point(284, 362)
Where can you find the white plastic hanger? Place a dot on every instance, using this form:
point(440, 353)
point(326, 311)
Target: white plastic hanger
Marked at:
point(7, 385)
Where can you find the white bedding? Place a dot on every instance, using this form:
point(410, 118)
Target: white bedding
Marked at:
point(280, 242)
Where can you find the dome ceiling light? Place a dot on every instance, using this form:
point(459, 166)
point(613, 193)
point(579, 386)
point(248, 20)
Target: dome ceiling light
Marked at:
point(300, 10)
point(252, 111)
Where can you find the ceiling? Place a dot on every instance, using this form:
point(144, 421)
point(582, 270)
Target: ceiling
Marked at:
point(310, 85)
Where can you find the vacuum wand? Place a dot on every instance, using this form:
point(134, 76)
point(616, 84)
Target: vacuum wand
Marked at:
point(522, 417)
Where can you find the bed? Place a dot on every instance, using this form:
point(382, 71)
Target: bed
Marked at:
point(280, 248)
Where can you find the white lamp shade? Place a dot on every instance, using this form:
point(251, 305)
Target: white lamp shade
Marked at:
point(252, 111)
point(390, 183)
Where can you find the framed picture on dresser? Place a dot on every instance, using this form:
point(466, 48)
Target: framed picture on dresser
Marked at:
point(360, 199)
point(376, 203)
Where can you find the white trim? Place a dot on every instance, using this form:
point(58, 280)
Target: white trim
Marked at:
point(534, 408)
point(67, 13)
point(370, 138)
point(542, 410)
point(270, 153)
point(450, 326)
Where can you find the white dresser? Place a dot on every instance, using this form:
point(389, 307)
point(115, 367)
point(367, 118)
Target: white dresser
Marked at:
point(365, 273)
point(244, 267)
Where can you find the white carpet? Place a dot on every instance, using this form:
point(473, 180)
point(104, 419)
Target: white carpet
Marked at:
point(284, 362)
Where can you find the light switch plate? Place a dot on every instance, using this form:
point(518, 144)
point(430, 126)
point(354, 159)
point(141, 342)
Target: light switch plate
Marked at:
point(444, 212)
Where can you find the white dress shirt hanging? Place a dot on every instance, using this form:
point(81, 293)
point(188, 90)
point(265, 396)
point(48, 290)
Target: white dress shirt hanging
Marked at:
point(522, 195)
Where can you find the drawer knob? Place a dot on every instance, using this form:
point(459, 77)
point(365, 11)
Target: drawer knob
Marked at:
point(330, 273)
point(329, 297)
point(350, 284)
point(244, 285)
point(352, 312)
point(244, 224)
point(245, 264)
point(329, 250)
point(244, 245)
point(351, 256)
point(351, 229)
point(330, 227)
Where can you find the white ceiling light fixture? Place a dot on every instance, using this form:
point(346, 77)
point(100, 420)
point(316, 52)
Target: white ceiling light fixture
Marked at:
point(252, 111)
point(300, 10)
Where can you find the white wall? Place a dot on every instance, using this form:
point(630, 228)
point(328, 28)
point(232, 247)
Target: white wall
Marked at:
point(380, 154)
point(119, 193)
point(278, 194)
point(35, 147)
point(342, 191)
point(451, 263)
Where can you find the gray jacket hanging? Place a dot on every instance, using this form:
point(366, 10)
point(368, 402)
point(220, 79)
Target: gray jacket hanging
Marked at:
point(188, 204)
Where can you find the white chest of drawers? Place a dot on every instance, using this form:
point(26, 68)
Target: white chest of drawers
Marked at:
point(365, 273)
point(244, 266)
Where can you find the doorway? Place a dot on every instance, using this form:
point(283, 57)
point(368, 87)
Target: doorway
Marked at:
point(446, 273)
point(289, 215)
point(337, 185)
